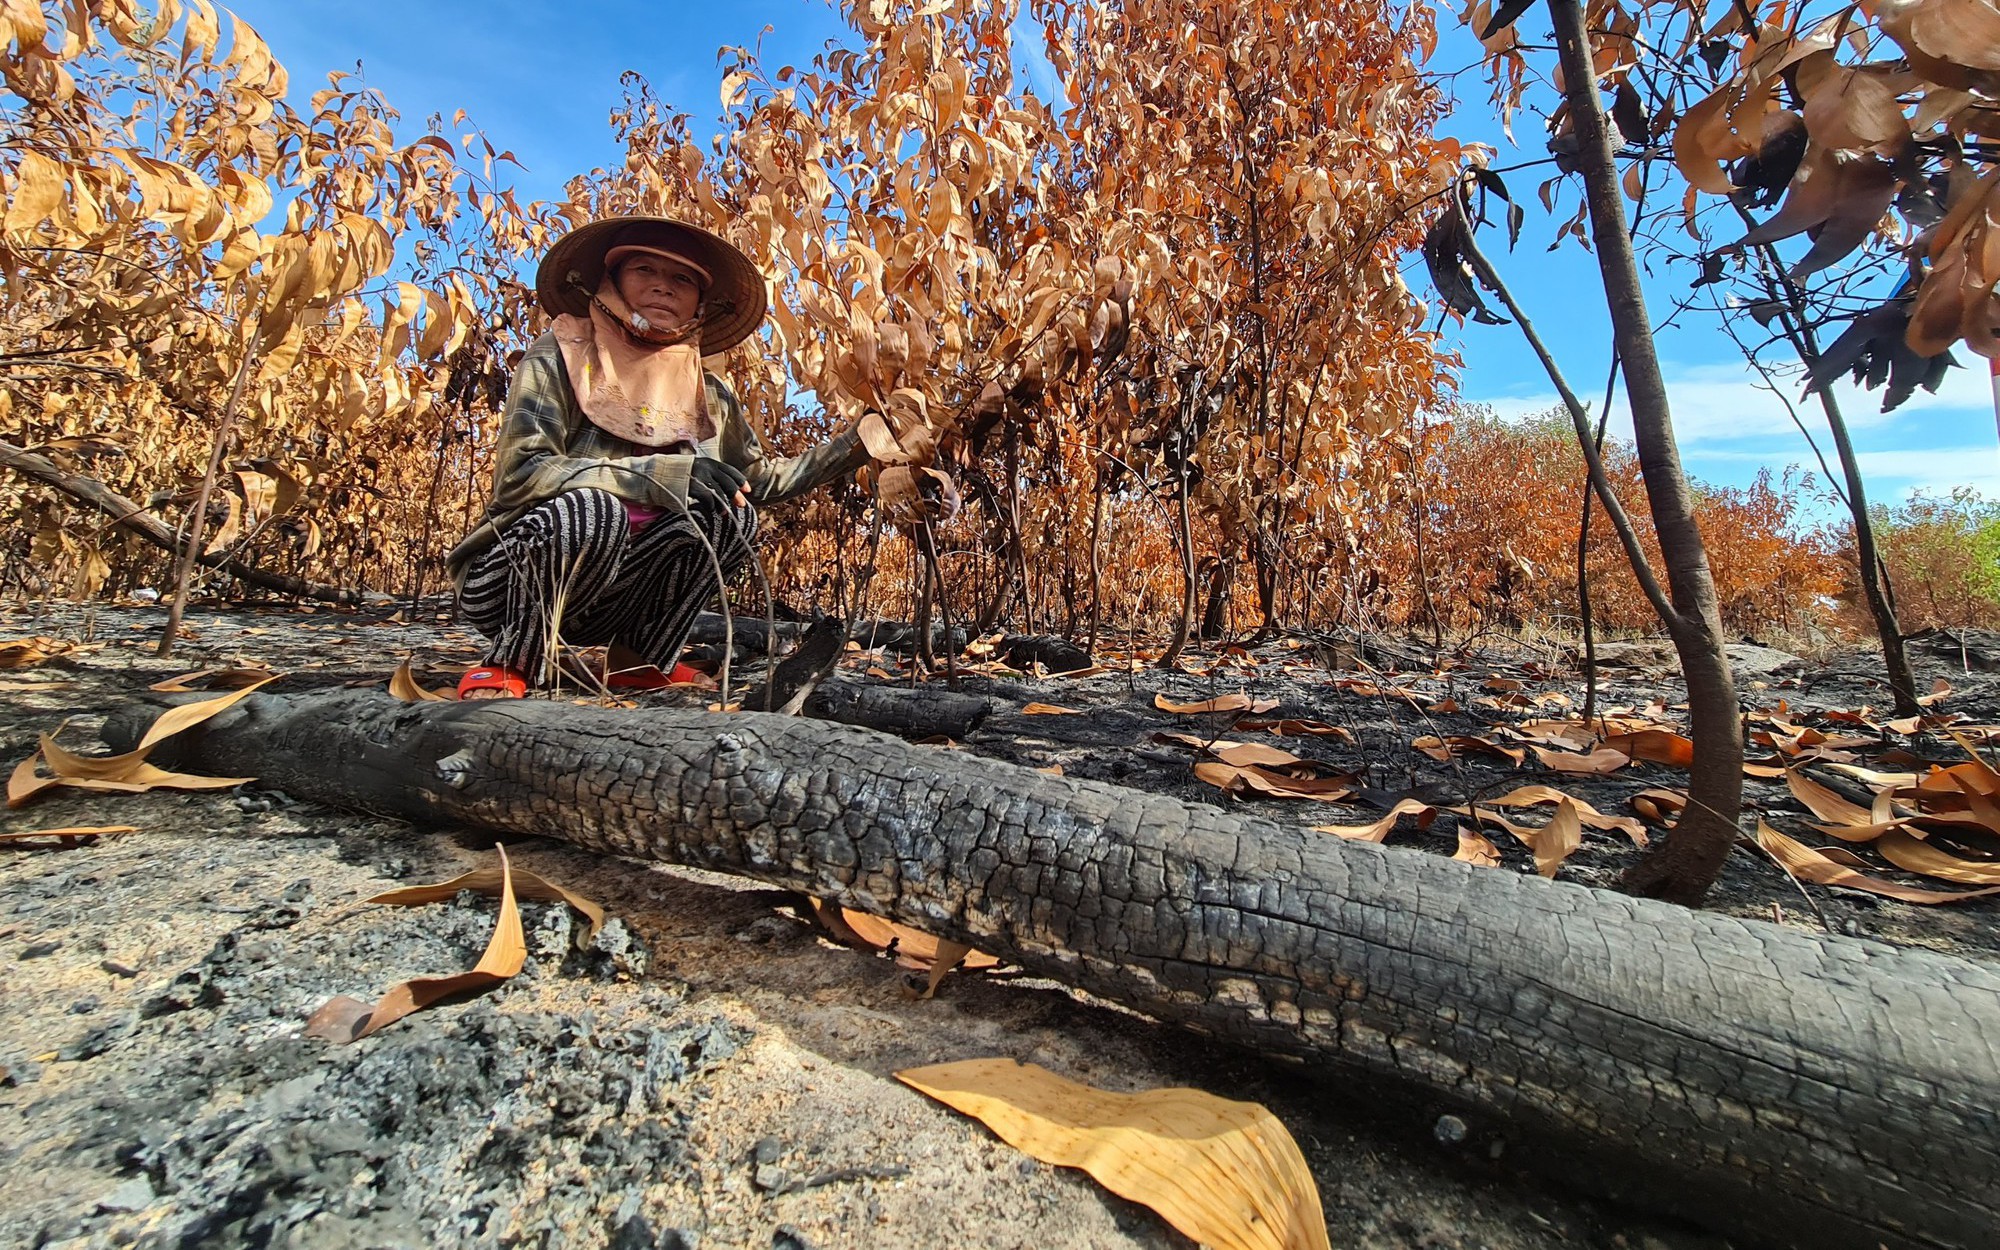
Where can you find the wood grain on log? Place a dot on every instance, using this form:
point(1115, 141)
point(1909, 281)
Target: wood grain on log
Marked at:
point(1779, 1087)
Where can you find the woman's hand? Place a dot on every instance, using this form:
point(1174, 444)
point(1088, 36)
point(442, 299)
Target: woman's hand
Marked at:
point(721, 479)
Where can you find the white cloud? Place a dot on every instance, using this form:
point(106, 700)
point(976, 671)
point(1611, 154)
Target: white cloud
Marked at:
point(1936, 470)
point(1728, 424)
point(1728, 403)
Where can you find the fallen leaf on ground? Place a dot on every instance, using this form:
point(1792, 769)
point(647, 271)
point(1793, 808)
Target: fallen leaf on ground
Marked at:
point(1242, 754)
point(1556, 841)
point(1091, 671)
point(950, 955)
point(1223, 1173)
point(1377, 830)
point(1824, 803)
point(345, 1019)
point(1537, 796)
point(1661, 746)
point(1240, 779)
point(214, 679)
point(1555, 733)
point(1939, 689)
point(1475, 849)
point(1658, 805)
point(1049, 709)
point(1443, 749)
point(124, 774)
point(68, 834)
point(1875, 777)
point(1808, 864)
point(1294, 728)
point(490, 882)
point(1238, 702)
point(1369, 690)
point(914, 948)
point(26, 652)
point(1915, 855)
point(403, 685)
point(1597, 763)
point(30, 687)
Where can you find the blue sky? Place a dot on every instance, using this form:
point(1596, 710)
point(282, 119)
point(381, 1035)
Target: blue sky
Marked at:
point(543, 88)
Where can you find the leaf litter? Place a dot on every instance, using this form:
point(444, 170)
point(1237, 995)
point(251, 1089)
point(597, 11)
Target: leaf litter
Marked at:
point(1225, 1173)
point(128, 773)
point(346, 1019)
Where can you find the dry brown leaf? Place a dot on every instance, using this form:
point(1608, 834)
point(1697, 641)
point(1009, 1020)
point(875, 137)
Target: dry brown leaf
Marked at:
point(1377, 830)
point(69, 833)
point(1659, 805)
point(27, 652)
point(1241, 779)
point(1224, 1173)
point(1557, 840)
point(949, 955)
point(1661, 746)
point(1555, 733)
point(127, 773)
point(214, 679)
point(345, 1019)
point(1238, 702)
point(913, 947)
point(1443, 749)
point(1808, 864)
point(403, 685)
point(1249, 754)
point(1915, 855)
point(1824, 803)
point(1597, 763)
point(1537, 796)
point(1295, 728)
point(489, 882)
point(1474, 848)
point(1049, 709)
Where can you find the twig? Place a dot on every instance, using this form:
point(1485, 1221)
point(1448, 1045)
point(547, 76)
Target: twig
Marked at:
point(1642, 568)
point(198, 522)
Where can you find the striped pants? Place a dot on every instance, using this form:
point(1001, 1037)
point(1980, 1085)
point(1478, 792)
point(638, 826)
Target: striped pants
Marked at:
point(572, 569)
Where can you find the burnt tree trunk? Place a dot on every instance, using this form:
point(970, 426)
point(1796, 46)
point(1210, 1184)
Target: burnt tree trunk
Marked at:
point(1780, 1087)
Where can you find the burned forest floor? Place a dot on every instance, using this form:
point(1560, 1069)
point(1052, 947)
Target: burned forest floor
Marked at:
point(712, 1068)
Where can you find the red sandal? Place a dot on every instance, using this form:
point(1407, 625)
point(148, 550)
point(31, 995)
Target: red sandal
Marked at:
point(510, 684)
point(649, 677)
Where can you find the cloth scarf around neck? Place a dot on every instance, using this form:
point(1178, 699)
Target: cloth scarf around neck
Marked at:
point(651, 396)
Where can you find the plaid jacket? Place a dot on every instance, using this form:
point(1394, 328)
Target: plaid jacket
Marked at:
point(547, 446)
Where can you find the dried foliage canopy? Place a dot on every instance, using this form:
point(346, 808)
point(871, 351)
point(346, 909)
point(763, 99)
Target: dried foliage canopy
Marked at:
point(1174, 283)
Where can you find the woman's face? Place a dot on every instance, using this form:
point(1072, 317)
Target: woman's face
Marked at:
point(664, 292)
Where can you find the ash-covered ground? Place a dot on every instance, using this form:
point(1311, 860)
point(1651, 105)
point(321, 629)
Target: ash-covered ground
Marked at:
point(710, 1070)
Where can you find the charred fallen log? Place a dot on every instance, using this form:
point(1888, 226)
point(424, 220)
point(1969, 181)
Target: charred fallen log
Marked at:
point(1782, 1088)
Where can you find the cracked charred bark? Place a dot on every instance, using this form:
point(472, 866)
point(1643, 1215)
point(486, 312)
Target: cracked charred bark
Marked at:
point(1779, 1087)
